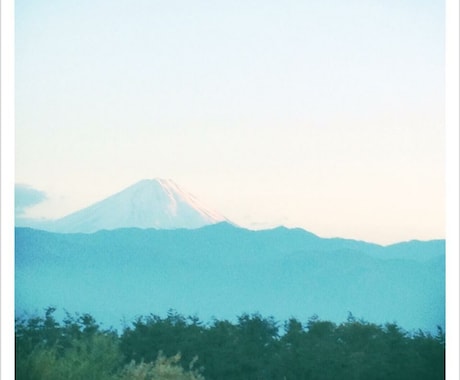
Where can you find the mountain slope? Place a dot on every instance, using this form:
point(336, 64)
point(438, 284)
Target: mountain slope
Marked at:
point(154, 203)
point(221, 270)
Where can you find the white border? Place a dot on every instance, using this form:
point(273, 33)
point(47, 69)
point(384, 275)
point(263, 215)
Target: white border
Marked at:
point(452, 189)
point(7, 191)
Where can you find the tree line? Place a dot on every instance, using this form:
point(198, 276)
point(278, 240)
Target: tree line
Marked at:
point(251, 348)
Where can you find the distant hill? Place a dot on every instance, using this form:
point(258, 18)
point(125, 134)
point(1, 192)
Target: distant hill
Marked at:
point(150, 203)
point(221, 270)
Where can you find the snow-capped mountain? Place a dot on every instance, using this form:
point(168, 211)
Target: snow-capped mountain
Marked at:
point(150, 203)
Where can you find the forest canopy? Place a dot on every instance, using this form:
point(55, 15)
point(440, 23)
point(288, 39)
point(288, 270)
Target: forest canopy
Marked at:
point(253, 347)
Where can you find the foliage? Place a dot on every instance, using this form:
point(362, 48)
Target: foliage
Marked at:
point(162, 369)
point(76, 349)
point(252, 348)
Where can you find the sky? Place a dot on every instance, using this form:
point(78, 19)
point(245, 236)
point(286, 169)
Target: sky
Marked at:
point(324, 115)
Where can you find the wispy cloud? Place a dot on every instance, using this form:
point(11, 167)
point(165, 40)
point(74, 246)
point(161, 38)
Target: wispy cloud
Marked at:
point(26, 197)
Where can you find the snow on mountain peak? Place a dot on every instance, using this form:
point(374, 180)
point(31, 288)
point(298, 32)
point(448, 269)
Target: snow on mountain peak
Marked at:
point(150, 203)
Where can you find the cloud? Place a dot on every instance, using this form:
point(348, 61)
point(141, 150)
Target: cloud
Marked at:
point(26, 197)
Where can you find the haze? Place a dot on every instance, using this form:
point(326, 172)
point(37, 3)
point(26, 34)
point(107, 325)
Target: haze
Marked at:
point(323, 115)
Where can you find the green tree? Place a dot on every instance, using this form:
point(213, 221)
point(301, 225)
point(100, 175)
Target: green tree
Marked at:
point(250, 349)
point(45, 349)
point(152, 334)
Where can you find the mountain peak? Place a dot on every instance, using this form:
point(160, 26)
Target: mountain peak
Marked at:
point(149, 181)
point(149, 203)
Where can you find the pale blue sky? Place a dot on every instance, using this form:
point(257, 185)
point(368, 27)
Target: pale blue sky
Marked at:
point(327, 115)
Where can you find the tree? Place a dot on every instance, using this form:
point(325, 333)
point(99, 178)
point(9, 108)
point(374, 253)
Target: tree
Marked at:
point(45, 349)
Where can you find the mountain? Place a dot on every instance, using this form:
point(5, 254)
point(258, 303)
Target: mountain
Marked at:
point(150, 203)
point(222, 270)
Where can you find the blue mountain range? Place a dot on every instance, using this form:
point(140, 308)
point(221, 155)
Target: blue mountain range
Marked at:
point(222, 271)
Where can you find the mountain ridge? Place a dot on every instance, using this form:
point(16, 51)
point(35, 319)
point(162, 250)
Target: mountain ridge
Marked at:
point(223, 270)
point(148, 203)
